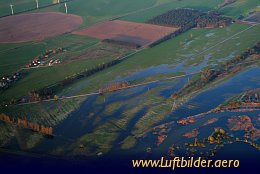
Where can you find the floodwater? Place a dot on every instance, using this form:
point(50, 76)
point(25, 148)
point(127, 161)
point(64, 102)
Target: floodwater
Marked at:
point(204, 102)
point(81, 121)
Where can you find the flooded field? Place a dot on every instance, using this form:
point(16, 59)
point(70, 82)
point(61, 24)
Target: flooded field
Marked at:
point(123, 111)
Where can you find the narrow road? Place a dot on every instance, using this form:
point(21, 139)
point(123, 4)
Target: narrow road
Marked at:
point(154, 81)
point(98, 93)
point(211, 47)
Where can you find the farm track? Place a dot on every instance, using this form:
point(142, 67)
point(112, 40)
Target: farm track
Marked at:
point(98, 93)
point(131, 86)
point(142, 84)
point(211, 47)
point(48, 66)
point(200, 53)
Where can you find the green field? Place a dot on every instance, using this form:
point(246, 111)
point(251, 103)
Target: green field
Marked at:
point(145, 15)
point(240, 7)
point(196, 47)
point(93, 11)
point(42, 77)
point(173, 52)
point(15, 56)
point(20, 5)
point(180, 49)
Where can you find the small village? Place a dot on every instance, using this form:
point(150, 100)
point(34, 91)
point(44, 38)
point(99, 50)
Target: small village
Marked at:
point(210, 74)
point(46, 59)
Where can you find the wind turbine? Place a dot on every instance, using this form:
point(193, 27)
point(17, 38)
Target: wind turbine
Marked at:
point(37, 4)
point(12, 10)
point(66, 8)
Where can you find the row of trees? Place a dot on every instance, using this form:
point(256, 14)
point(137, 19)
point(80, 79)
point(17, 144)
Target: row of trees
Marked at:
point(48, 92)
point(174, 34)
point(213, 20)
point(27, 124)
point(186, 19)
point(226, 2)
point(115, 87)
point(207, 75)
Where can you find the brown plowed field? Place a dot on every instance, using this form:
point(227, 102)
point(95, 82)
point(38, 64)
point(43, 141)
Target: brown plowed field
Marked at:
point(143, 34)
point(36, 26)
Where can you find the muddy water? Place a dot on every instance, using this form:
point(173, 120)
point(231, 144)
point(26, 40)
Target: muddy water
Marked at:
point(81, 121)
point(203, 102)
point(206, 101)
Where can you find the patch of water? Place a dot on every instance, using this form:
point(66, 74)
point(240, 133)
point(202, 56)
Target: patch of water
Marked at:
point(210, 34)
point(230, 56)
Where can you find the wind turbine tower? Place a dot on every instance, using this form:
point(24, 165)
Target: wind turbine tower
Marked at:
point(66, 7)
point(37, 4)
point(12, 10)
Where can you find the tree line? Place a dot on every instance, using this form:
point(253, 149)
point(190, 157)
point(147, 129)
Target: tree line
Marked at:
point(50, 91)
point(210, 74)
point(186, 19)
point(27, 124)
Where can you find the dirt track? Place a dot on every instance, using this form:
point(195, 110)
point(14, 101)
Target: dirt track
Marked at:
point(255, 18)
point(143, 34)
point(36, 26)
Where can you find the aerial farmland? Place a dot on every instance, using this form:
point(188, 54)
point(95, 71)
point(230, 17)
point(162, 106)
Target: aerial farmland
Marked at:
point(89, 85)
